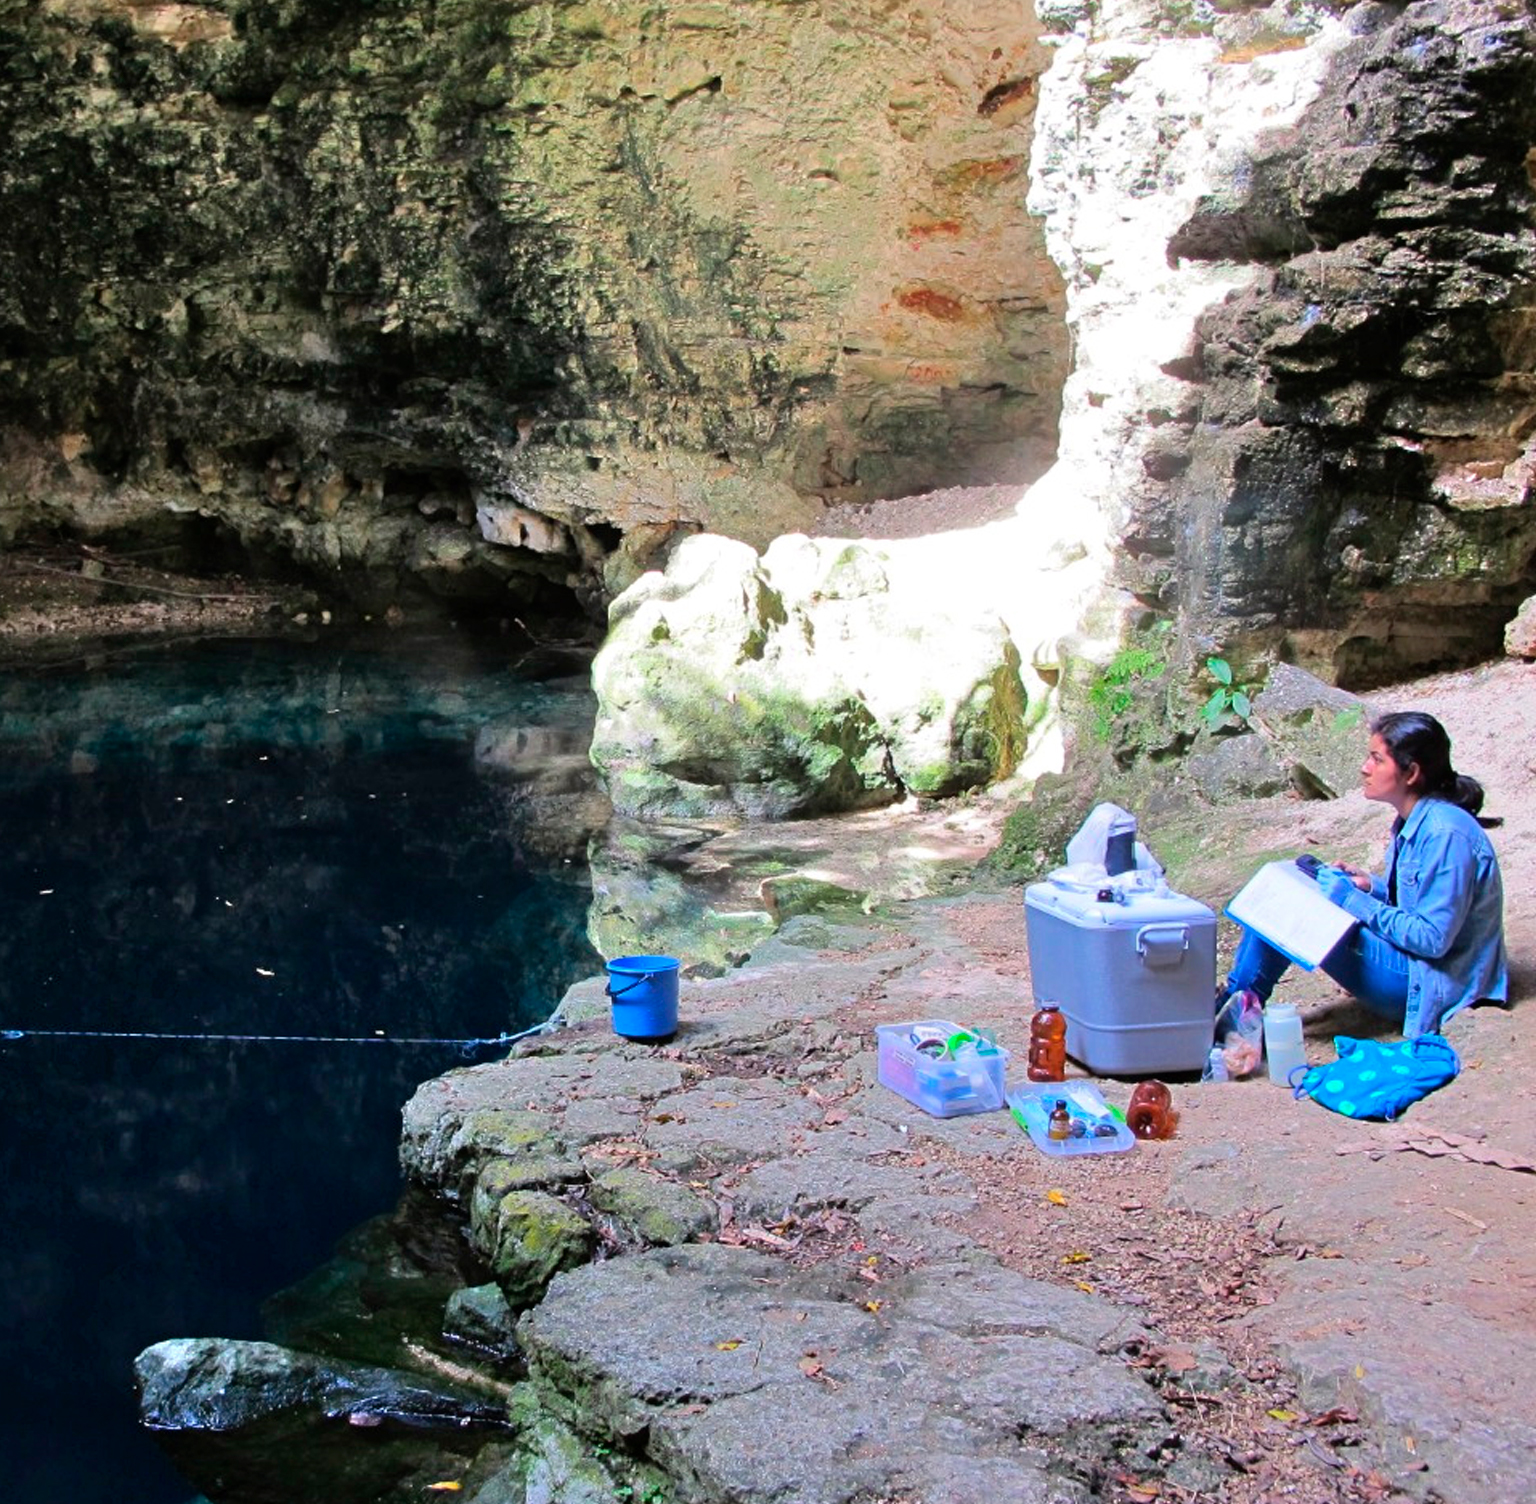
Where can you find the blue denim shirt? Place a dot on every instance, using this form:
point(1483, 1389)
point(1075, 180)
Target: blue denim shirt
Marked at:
point(1449, 915)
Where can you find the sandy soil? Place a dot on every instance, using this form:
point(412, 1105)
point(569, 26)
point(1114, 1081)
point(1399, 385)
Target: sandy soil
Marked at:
point(948, 510)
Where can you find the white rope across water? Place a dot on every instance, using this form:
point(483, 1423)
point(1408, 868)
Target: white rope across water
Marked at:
point(467, 1046)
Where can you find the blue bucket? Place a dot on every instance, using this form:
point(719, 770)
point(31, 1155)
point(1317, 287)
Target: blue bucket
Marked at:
point(644, 994)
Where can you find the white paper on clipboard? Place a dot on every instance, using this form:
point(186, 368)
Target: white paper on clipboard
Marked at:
point(1287, 908)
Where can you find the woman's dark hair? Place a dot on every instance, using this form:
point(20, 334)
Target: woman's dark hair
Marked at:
point(1413, 737)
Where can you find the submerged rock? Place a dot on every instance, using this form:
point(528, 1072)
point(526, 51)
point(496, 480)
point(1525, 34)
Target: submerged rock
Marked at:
point(480, 1317)
point(266, 1425)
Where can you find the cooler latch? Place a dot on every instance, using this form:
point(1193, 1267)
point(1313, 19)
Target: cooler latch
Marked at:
point(1162, 944)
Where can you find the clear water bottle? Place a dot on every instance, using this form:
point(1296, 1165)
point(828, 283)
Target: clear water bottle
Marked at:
point(1282, 1041)
point(1216, 1065)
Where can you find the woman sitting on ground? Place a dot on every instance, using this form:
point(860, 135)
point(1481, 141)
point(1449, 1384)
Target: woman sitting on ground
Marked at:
point(1431, 935)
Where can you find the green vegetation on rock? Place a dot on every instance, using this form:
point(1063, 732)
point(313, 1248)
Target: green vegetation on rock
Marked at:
point(530, 1236)
point(657, 1211)
point(1113, 691)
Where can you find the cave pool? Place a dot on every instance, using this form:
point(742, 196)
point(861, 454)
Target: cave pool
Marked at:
point(326, 837)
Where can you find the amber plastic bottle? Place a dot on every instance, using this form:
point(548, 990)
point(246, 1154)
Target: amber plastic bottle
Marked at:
point(1059, 1128)
point(1150, 1113)
point(1047, 1045)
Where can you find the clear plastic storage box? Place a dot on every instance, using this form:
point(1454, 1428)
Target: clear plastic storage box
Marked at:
point(973, 1078)
point(1031, 1108)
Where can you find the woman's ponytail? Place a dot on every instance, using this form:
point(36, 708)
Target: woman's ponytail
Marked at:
point(1464, 792)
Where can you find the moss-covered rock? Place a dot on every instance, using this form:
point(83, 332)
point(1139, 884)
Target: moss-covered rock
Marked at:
point(828, 675)
point(651, 1208)
point(1318, 733)
point(795, 893)
point(531, 1172)
point(454, 1152)
point(1237, 767)
point(1034, 837)
point(556, 1464)
point(529, 1237)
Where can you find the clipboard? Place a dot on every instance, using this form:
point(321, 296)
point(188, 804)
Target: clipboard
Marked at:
point(1284, 906)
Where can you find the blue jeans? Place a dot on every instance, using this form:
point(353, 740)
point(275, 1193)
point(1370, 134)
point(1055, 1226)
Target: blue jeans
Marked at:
point(1362, 963)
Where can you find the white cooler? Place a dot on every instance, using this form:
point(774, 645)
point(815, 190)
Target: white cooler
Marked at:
point(1135, 978)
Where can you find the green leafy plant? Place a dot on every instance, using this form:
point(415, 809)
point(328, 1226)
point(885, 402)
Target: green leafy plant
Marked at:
point(1231, 703)
point(1113, 692)
point(652, 1493)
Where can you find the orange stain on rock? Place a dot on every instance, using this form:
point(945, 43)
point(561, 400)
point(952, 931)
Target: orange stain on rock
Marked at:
point(936, 305)
point(931, 229)
point(982, 172)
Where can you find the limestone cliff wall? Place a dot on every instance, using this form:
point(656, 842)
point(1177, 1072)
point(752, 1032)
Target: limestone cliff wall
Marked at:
point(1376, 383)
point(1299, 251)
point(487, 294)
point(1300, 423)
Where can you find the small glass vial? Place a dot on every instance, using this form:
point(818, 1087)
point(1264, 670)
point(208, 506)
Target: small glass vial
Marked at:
point(1059, 1129)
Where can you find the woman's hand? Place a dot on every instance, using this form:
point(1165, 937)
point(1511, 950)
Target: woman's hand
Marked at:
point(1337, 882)
point(1360, 877)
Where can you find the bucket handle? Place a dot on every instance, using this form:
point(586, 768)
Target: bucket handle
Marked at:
point(647, 976)
point(1162, 944)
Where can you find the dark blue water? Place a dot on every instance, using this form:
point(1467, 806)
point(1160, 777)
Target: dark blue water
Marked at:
point(244, 838)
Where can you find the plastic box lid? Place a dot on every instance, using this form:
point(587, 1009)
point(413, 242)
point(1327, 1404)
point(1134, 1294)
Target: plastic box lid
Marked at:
point(945, 1087)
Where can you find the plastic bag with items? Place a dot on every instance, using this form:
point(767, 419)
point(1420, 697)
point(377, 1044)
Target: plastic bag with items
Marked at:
point(1240, 1033)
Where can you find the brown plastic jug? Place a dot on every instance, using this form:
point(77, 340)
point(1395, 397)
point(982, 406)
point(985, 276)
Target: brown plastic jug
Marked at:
point(1150, 1113)
point(1047, 1045)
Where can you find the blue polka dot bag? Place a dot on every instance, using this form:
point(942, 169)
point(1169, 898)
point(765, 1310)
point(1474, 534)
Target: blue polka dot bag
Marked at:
point(1375, 1080)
